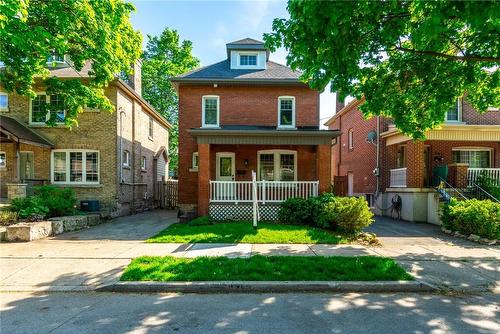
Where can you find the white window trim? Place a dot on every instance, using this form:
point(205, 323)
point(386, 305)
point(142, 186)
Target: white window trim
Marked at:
point(84, 166)
point(350, 139)
point(4, 153)
point(293, 112)
point(459, 107)
point(7, 107)
point(256, 54)
point(194, 167)
point(276, 160)
point(151, 126)
point(477, 149)
point(126, 162)
point(203, 98)
point(144, 163)
point(47, 100)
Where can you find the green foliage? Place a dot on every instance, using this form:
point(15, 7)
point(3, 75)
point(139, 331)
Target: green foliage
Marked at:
point(49, 201)
point(410, 60)
point(165, 57)
point(8, 217)
point(473, 216)
point(491, 185)
point(347, 214)
point(296, 211)
point(203, 220)
point(265, 268)
point(31, 32)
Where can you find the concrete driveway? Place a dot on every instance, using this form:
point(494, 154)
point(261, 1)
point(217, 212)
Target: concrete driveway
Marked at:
point(87, 259)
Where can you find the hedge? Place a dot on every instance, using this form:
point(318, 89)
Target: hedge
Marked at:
point(473, 216)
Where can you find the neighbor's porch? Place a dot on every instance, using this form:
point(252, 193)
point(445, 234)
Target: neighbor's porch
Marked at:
point(286, 165)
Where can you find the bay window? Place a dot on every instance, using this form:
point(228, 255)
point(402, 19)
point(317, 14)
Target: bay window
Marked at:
point(277, 165)
point(75, 166)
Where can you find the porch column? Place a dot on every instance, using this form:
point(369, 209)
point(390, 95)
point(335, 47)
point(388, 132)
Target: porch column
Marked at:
point(323, 167)
point(203, 178)
point(415, 164)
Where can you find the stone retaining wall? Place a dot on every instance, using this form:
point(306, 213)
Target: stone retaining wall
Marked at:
point(53, 226)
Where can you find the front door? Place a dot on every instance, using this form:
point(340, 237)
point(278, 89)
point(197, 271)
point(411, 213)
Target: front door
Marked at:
point(26, 165)
point(225, 172)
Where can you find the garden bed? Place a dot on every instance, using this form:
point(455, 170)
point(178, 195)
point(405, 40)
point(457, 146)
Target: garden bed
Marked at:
point(265, 268)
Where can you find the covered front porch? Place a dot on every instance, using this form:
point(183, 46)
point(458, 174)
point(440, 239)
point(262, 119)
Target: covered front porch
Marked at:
point(287, 163)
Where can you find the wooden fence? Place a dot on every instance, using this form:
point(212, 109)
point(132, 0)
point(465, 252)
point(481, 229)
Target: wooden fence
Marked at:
point(167, 194)
point(340, 185)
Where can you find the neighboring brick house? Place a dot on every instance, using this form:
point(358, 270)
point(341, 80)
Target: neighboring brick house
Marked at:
point(110, 157)
point(246, 114)
point(467, 143)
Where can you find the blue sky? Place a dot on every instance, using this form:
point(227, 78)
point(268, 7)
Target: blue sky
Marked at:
point(212, 24)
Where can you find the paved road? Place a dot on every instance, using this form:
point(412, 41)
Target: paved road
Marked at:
point(86, 259)
point(248, 313)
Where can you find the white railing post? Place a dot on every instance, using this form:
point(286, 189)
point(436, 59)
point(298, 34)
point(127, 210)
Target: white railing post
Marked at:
point(263, 192)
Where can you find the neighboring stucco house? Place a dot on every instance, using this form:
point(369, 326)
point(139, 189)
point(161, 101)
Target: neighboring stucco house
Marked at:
point(115, 158)
point(468, 143)
point(243, 114)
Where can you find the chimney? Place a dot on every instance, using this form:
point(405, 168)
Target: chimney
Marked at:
point(135, 79)
point(339, 104)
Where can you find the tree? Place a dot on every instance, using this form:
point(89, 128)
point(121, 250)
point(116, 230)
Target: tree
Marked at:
point(34, 31)
point(166, 57)
point(411, 60)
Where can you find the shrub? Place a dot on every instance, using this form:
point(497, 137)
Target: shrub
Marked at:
point(473, 216)
point(295, 211)
point(490, 185)
point(8, 217)
point(347, 214)
point(49, 201)
point(316, 205)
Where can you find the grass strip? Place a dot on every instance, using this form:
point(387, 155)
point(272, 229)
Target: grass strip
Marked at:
point(264, 268)
point(243, 232)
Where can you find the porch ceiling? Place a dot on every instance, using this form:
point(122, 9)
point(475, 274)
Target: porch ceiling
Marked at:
point(264, 136)
point(19, 132)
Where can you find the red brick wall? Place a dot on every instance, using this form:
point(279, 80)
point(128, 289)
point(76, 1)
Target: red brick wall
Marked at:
point(471, 116)
point(239, 105)
point(361, 160)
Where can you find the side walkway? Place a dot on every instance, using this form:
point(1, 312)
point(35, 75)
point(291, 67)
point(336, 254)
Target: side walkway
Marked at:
point(94, 257)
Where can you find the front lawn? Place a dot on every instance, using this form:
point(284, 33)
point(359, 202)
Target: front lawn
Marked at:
point(265, 268)
point(201, 231)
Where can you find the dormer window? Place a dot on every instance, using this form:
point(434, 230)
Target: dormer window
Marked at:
point(248, 60)
point(455, 113)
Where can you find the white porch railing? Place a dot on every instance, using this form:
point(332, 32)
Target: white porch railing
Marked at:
point(267, 191)
point(474, 173)
point(398, 178)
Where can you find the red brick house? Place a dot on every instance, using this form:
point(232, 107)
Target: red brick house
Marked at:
point(468, 143)
point(243, 114)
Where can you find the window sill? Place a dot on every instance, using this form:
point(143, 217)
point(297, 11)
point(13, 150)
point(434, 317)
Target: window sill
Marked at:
point(210, 126)
point(454, 122)
point(144, 170)
point(194, 170)
point(286, 127)
point(78, 185)
point(150, 138)
point(43, 125)
point(126, 167)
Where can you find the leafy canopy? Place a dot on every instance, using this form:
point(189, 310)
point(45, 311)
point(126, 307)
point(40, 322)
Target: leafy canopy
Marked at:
point(411, 60)
point(32, 31)
point(166, 56)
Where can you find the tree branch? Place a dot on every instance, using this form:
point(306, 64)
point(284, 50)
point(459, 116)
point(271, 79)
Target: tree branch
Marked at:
point(451, 57)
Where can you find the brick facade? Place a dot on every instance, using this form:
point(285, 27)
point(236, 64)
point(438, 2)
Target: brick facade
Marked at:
point(361, 160)
point(100, 131)
point(241, 105)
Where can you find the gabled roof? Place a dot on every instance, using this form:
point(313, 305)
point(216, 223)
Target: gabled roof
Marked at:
point(246, 41)
point(246, 44)
point(21, 133)
point(222, 71)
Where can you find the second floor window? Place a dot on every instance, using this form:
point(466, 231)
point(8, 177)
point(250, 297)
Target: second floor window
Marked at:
point(454, 114)
point(350, 139)
point(286, 111)
point(4, 101)
point(248, 60)
point(210, 111)
point(151, 125)
point(126, 158)
point(143, 163)
point(47, 107)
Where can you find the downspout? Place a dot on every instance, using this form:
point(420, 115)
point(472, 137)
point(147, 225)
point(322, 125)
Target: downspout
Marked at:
point(133, 155)
point(340, 146)
point(377, 167)
point(120, 181)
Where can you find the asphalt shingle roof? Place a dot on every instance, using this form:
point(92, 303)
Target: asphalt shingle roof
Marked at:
point(22, 132)
point(223, 71)
point(247, 41)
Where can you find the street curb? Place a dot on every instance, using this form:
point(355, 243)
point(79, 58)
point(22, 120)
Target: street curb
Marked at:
point(269, 286)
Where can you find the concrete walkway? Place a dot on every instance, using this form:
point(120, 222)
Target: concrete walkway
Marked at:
point(87, 259)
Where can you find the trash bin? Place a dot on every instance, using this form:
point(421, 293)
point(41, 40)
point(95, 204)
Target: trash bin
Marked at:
point(438, 173)
point(89, 205)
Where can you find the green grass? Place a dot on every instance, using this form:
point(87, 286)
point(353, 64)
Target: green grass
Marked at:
point(264, 268)
point(201, 230)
